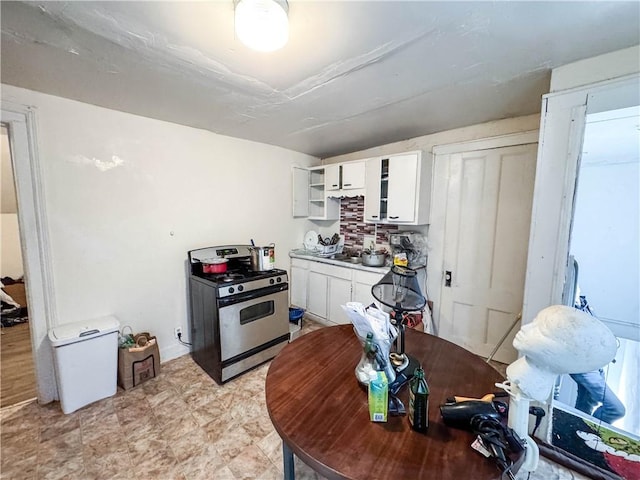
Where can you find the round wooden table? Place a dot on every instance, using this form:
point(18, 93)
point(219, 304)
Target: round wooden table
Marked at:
point(321, 413)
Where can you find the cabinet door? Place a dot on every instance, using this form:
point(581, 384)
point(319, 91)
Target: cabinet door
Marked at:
point(317, 294)
point(332, 177)
point(362, 283)
point(298, 286)
point(373, 172)
point(300, 182)
point(339, 294)
point(353, 175)
point(403, 179)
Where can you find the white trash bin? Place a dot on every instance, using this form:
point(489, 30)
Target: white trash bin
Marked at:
point(85, 357)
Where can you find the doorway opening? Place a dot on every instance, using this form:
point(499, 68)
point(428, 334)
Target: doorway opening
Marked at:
point(604, 250)
point(17, 371)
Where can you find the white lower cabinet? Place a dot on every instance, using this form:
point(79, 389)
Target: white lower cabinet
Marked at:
point(339, 294)
point(317, 294)
point(298, 282)
point(362, 283)
point(321, 289)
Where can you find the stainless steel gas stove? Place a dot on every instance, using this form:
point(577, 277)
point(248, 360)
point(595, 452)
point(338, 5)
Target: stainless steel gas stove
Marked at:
point(239, 318)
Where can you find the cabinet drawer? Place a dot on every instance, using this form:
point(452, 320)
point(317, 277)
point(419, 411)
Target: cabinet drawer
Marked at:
point(331, 270)
point(369, 278)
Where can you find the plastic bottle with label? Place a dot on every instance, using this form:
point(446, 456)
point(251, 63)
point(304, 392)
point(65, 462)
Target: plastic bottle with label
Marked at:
point(419, 401)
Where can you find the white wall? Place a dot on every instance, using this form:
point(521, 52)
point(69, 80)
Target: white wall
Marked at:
point(596, 69)
point(458, 135)
point(605, 240)
point(126, 197)
point(10, 253)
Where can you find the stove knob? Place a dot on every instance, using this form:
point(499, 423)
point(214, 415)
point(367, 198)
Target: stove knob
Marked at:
point(231, 290)
point(240, 288)
point(279, 280)
point(271, 281)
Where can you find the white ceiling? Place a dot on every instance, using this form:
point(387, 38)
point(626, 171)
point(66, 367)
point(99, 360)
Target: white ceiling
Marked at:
point(354, 74)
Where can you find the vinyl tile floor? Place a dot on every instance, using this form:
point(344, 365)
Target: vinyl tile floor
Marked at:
point(179, 425)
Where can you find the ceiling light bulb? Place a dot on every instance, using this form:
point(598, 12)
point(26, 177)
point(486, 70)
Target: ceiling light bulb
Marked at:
point(262, 25)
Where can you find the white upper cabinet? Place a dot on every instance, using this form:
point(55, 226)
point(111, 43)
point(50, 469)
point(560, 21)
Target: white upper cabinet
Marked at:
point(345, 179)
point(353, 175)
point(375, 202)
point(332, 178)
point(321, 207)
point(401, 199)
point(398, 189)
point(309, 196)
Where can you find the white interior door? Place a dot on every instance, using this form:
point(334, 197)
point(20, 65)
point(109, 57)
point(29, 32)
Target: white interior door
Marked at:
point(486, 233)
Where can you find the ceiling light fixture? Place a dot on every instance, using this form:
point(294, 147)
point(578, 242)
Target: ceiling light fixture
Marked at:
point(262, 25)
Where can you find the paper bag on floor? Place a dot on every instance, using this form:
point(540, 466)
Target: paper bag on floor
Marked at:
point(138, 364)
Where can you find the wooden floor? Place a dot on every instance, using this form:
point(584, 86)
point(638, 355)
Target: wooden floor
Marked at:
point(17, 373)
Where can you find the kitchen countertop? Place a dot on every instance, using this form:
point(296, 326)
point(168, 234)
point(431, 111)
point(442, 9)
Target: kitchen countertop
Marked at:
point(306, 255)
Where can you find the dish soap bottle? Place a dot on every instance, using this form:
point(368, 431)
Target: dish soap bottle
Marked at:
point(419, 401)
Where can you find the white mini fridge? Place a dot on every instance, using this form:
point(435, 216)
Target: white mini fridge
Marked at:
point(86, 361)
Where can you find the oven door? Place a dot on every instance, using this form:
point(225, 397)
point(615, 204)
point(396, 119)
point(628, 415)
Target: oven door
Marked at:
point(249, 321)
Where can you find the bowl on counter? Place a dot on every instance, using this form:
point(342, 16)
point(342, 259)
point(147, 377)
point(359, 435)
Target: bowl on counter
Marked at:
point(374, 259)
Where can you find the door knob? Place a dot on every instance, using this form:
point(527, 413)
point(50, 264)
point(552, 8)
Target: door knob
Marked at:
point(447, 278)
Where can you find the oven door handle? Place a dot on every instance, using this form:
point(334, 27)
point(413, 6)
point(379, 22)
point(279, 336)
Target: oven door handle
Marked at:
point(250, 295)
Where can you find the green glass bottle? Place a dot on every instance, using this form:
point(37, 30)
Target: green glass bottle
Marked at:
point(368, 345)
point(367, 362)
point(419, 401)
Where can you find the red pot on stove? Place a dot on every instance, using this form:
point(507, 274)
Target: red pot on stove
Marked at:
point(214, 265)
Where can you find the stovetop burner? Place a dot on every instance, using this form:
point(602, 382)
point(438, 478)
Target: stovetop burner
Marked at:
point(239, 276)
point(227, 277)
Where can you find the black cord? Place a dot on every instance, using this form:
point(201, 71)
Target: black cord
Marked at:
point(493, 434)
point(180, 340)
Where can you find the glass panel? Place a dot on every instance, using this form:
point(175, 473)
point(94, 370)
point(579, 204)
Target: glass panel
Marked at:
point(256, 312)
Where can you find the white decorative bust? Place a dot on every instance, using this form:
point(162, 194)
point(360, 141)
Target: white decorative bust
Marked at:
point(560, 340)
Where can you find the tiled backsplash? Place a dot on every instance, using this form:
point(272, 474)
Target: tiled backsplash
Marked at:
point(353, 228)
